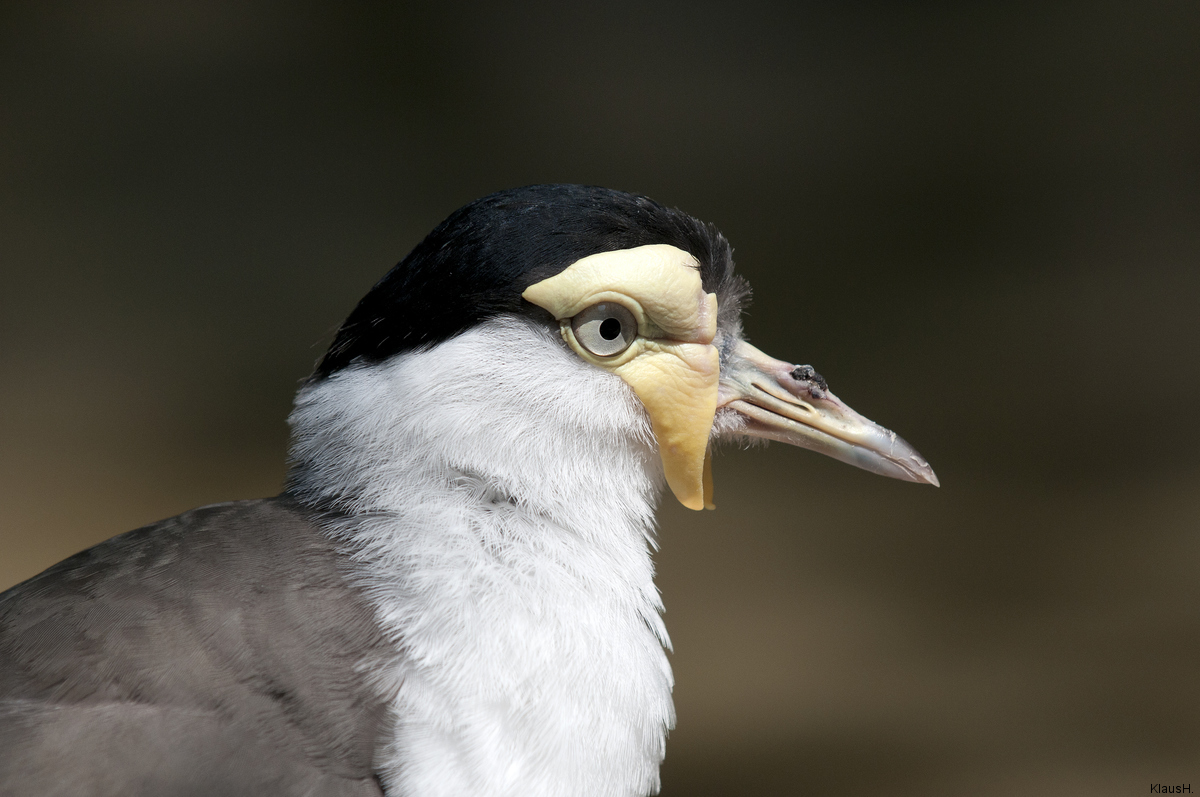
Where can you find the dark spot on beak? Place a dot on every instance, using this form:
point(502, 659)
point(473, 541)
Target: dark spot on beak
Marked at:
point(816, 383)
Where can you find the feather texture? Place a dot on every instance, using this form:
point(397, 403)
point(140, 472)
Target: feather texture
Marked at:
point(497, 496)
point(212, 653)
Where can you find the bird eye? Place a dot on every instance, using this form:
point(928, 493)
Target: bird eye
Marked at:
point(605, 329)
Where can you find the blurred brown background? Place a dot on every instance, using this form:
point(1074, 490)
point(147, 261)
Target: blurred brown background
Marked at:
point(981, 224)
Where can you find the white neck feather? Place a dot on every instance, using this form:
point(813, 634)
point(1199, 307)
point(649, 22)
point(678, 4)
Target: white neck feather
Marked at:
point(499, 495)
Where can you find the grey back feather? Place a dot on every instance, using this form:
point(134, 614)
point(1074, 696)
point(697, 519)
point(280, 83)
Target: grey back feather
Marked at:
point(218, 652)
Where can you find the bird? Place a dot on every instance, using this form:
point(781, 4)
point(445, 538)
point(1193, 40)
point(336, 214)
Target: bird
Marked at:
point(453, 594)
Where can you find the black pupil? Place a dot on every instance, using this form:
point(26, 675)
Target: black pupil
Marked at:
point(610, 328)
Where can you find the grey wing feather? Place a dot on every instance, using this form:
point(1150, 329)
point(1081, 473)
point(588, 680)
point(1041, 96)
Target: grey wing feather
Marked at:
point(224, 651)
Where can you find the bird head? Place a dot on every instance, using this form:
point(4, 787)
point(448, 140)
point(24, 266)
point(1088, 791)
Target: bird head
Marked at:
point(642, 293)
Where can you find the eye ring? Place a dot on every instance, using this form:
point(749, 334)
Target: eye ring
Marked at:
point(605, 329)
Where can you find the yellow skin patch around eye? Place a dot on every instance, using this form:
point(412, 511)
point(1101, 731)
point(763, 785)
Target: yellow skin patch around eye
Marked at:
point(672, 366)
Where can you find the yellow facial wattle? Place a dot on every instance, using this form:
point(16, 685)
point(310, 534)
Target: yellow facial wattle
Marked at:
point(672, 366)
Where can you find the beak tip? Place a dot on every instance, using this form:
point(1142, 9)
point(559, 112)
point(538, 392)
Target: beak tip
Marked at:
point(922, 473)
point(926, 474)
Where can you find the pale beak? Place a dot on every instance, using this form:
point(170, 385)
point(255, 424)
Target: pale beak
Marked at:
point(792, 404)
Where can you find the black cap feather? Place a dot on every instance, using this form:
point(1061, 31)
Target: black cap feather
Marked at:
point(476, 264)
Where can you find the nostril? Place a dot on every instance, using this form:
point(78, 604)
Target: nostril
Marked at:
point(816, 383)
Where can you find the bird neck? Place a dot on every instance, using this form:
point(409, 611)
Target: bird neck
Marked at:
point(497, 495)
point(505, 408)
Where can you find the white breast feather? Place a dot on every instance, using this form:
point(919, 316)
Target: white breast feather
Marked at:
point(501, 494)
